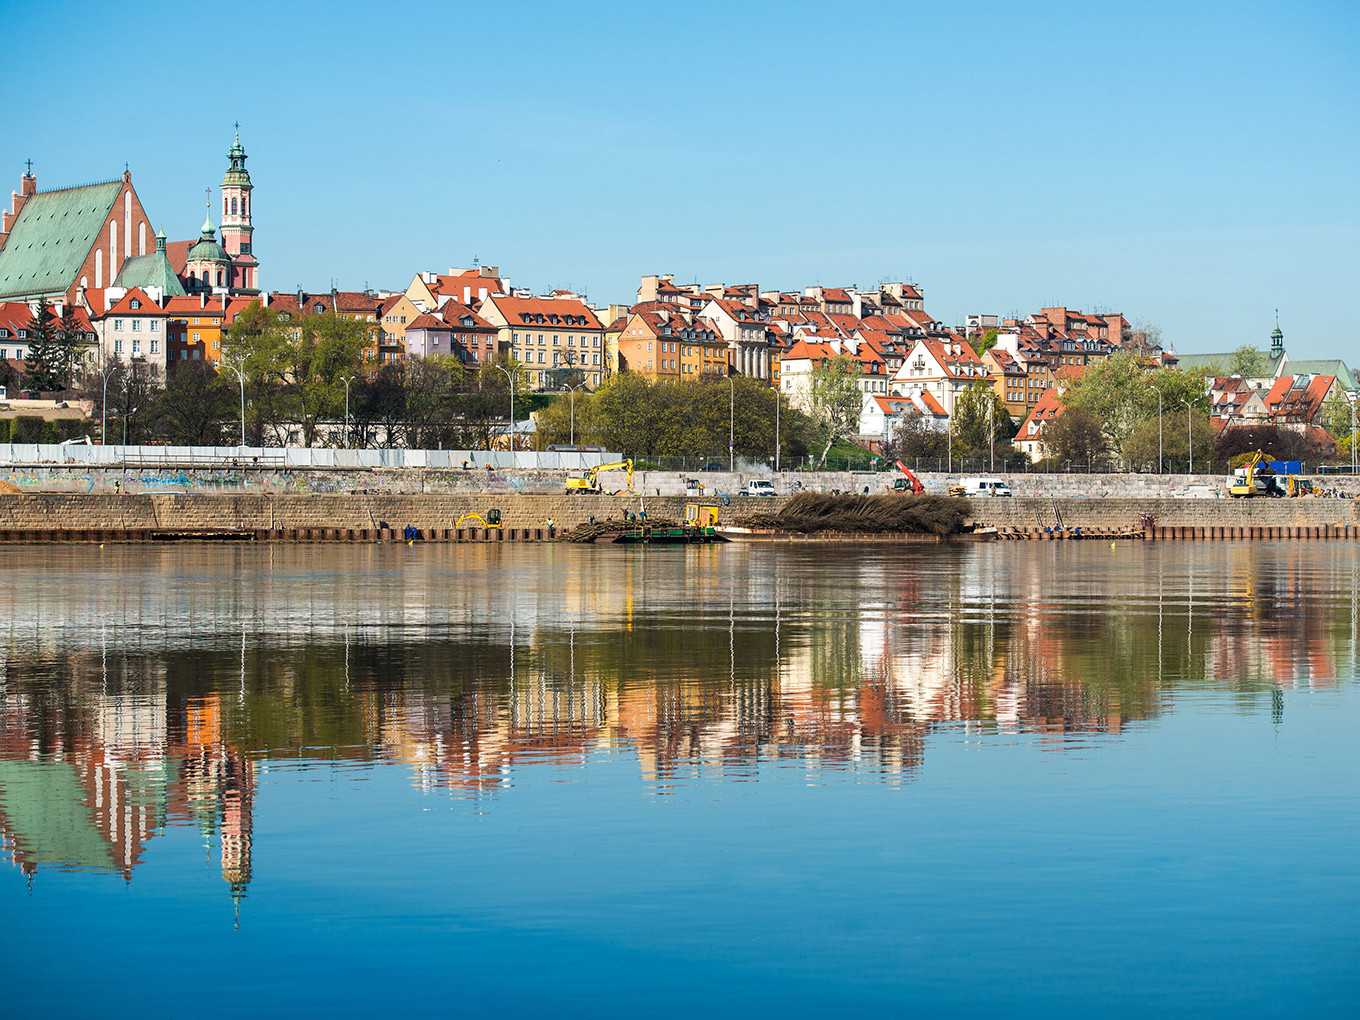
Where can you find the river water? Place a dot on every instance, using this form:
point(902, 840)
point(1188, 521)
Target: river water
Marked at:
point(517, 780)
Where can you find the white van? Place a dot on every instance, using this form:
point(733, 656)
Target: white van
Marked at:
point(986, 487)
point(759, 487)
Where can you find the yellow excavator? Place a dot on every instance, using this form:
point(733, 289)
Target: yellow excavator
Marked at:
point(491, 520)
point(588, 484)
point(1252, 479)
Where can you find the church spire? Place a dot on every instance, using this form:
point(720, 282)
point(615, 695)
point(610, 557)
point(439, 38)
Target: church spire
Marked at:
point(1276, 338)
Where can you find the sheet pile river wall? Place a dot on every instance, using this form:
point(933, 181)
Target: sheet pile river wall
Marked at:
point(247, 512)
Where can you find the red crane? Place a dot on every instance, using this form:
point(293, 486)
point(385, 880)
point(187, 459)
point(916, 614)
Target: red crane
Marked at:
point(910, 483)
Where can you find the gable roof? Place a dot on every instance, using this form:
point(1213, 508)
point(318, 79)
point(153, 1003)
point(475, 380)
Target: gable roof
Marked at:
point(52, 238)
point(1049, 407)
point(152, 270)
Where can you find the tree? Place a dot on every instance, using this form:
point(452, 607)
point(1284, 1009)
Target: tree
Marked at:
point(1142, 335)
point(984, 343)
point(43, 367)
point(915, 439)
point(432, 385)
point(981, 424)
point(196, 408)
point(1336, 416)
point(256, 344)
point(1248, 361)
point(836, 399)
point(70, 346)
point(1074, 437)
point(323, 349)
point(1275, 441)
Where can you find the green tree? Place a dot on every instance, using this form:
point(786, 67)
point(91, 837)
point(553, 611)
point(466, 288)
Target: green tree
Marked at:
point(1075, 437)
point(984, 343)
point(323, 349)
point(1336, 416)
point(70, 347)
point(981, 424)
point(1248, 361)
point(836, 399)
point(1140, 449)
point(43, 367)
point(256, 344)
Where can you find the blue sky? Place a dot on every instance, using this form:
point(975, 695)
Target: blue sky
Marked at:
point(1191, 164)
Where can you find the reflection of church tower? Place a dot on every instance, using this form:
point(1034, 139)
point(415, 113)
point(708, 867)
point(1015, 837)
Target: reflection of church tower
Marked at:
point(236, 224)
point(238, 797)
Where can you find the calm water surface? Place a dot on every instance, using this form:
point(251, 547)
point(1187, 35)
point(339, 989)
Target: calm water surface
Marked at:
point(602, 782)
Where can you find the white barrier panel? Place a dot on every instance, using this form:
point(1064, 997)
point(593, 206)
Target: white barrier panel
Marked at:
point(275, 457)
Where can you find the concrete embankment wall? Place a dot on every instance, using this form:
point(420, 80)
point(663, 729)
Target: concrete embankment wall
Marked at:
point(27, 512)
point(417, 481)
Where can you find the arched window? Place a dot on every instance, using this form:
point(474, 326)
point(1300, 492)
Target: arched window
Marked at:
point(219, 277)
point(98, 269)
point(244, 204)
point(141, 238)
point(113, 248)
point(233, 206)
point(127, 223)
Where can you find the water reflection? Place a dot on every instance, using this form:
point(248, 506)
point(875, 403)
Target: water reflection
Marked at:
point(145, 688)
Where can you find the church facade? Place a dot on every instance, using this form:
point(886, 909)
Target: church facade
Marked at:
point(57, 246)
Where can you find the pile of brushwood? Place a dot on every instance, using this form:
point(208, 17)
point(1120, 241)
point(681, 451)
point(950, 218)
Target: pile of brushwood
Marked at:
point(810, 512)
point(591, 530)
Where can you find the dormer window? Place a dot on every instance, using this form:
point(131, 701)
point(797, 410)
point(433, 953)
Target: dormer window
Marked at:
point(318, 308)
point(134, 304)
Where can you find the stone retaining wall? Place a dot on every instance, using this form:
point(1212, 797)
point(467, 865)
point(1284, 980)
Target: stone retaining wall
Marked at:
point(250, 512)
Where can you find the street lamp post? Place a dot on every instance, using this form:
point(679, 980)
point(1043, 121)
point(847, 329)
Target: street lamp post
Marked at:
point(104, 411)
point(125, 421)
point(732, 423)
point(508, 375)
point(241, 377)
point(1159, 430)
point(776, 430)
point(991, 430)
point(347, 379)
point(571, 400)
point(1189, 436)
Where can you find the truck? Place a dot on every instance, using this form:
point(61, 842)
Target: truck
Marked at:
point(758, 487)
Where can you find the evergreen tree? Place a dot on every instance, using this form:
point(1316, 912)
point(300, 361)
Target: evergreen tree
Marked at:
point(44, 354)
point(71, 347)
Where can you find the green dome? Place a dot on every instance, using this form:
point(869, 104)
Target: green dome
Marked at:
point(208, 250)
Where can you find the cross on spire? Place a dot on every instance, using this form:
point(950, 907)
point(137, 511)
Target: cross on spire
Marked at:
point(237, 125)
point(208, 203)
point(29, 164)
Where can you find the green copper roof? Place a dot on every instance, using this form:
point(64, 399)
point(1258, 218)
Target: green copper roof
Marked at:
point(207, 251)
point(53, 237)
point(150, 271)
point(1325, 366)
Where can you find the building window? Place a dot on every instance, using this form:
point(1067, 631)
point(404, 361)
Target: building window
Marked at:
point(136, 325)
point(134, 304)
point(155, 346)
point(155, 326)
point(217, 344)
point(540, 357)
point(117, 327)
